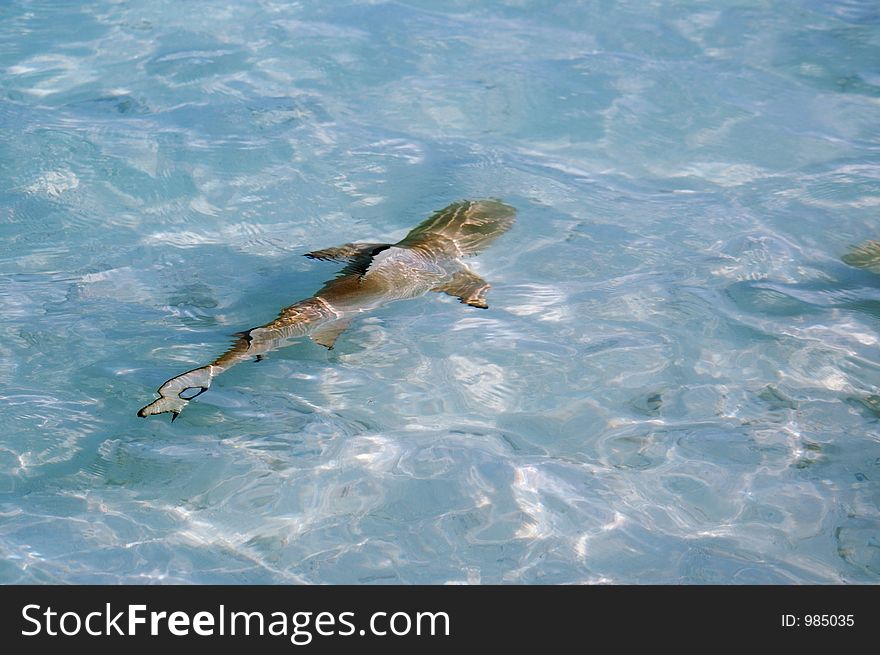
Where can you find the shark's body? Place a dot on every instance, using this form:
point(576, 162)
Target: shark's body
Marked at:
point(866, 255)
point(429, 258)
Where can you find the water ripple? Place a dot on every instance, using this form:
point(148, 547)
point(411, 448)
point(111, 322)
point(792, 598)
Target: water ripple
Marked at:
point(676, 380)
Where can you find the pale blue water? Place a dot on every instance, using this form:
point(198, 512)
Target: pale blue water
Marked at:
point(677, 379)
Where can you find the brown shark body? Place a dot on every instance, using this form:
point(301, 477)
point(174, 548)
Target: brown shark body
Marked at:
point(866, 255)
point(429, 258)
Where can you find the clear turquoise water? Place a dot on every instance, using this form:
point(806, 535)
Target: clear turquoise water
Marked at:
point(678, 377)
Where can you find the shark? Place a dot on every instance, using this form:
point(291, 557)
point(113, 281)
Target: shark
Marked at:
point(865, 255)
point(430, 258)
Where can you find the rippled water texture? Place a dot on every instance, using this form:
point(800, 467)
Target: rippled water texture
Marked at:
point(678, 378)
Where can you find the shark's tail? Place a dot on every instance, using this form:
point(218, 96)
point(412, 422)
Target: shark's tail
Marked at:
point(471, 224)
point(171, 393)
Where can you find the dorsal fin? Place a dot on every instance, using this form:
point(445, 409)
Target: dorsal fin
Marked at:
point(359, 265)
point(246, 335)
point(358, 256)
point(348, 252)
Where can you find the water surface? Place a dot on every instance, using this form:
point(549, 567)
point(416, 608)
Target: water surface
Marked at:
point(677, 381)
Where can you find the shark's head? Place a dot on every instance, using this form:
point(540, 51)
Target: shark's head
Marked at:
point(472, 225)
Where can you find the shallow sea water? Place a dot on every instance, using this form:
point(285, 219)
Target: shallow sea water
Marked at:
point(677, 381)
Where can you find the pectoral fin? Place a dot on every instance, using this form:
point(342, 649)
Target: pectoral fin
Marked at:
point(327, 334)
point(468, 287)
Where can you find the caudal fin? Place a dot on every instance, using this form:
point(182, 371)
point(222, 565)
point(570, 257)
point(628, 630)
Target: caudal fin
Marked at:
point(171, 398)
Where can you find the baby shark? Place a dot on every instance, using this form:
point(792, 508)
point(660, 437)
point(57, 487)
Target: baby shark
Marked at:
point(429, 258)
